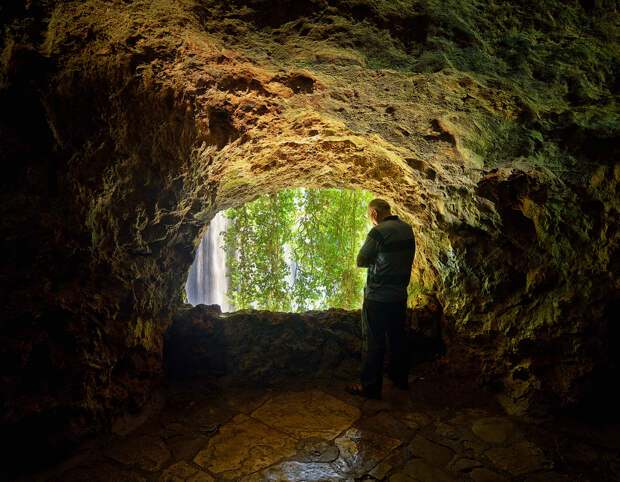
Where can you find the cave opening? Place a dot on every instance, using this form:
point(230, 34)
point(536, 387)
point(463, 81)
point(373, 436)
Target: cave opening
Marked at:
point(297, 290)
point(292, 250)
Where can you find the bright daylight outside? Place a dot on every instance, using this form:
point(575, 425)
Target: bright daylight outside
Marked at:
point(293, 250)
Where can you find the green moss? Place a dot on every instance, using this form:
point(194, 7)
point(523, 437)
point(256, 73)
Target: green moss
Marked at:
point(501, 140)
point(379, 48)
point(415, 289)
point(603, 119)
point(233, 182)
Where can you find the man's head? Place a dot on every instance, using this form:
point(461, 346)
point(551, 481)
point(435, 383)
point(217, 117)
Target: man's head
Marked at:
point(378, 210)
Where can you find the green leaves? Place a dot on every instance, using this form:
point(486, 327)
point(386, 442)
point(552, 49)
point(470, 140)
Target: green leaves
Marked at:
point(254, 245)
point(534, 134)
point(295, 250)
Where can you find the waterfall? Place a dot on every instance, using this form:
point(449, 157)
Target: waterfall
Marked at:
point(207, 282)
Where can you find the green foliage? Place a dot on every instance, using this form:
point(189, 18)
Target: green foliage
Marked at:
point(331, 229)
point(255, 255)
point(295, 250)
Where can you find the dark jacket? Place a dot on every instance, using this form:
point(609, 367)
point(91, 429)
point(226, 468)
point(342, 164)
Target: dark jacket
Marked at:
point(388, 253)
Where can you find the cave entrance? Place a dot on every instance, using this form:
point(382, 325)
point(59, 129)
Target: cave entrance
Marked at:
point(292, 250)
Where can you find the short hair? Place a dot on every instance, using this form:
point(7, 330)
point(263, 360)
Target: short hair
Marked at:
point(380, 205)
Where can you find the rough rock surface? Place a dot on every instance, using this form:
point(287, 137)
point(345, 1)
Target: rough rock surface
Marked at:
point(260, 347)
point(125, 126)
point(299, 432)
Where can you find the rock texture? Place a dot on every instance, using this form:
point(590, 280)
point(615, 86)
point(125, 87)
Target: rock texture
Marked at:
point(261, 348)
point(309, 433)
point(125, 126)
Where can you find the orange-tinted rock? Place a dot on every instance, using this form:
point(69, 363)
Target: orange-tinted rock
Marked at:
point(361, 450)
point(244, 446)
point(126, 125)
point(307, 414)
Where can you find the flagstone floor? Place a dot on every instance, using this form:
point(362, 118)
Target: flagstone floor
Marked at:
point(441, 430)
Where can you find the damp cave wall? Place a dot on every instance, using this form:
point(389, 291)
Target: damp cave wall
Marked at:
point(125, 126)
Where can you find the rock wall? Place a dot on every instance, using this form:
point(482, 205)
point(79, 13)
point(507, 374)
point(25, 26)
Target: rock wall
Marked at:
point(125, 126)
point(262, 348)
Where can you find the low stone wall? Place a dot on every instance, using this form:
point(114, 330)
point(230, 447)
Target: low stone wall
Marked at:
point(261, 346)
point(251, 347)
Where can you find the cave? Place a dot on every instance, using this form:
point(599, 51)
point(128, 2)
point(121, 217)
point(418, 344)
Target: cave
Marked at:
point(491, 128)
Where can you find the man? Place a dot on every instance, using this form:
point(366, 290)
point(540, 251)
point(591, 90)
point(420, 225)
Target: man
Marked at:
point(388, 254)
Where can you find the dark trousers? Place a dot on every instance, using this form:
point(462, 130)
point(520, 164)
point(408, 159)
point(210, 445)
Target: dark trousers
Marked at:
point(378, 320)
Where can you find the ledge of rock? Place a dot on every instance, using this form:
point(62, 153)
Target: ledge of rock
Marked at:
point(264, 348)
point(261, 347)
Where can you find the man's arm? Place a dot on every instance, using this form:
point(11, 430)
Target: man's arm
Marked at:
point(368, 253)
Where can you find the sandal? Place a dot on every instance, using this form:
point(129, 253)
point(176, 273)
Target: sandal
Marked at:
point(358, 389)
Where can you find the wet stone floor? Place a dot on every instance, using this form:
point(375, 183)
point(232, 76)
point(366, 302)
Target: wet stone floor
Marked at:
point(441, 430)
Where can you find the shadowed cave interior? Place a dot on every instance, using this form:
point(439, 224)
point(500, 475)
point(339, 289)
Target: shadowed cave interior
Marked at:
point(492, 128)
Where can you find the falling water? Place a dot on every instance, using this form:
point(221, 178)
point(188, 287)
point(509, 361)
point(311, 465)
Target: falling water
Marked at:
point(207, 282)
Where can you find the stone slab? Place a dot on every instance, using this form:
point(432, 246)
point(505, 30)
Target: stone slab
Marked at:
point(436, 454)
point(385, 424)
point(464, 465)
point(395, 459)
point(298, 471)
point(243, 446)
point(495, 430)
point(316, 450)
point(519, 459)
point(414, 420)
point(361, 450)
point(182, 472)
point(307, 414)
point(421, 470)
point(185, 447)
point(401, 477)
point(145, 452)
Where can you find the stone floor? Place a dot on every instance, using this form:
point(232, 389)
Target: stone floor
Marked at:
point(441, 430)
